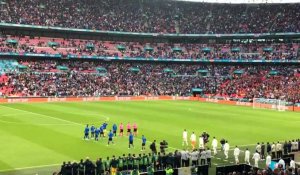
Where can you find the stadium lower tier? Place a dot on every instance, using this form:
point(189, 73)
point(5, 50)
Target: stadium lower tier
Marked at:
point(79, 48)
point(59, 78)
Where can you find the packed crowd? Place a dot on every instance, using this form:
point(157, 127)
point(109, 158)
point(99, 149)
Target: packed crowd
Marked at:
point(154, 16)
point(77, 47)
point(142, 162)
point(42, 78)
point(260, 83)
point(166, 160)
point(131, 162)
point(98, 78)
point(158, 160)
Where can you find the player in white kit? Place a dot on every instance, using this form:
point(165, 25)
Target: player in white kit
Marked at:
point(226, 149)
point(201, 142)
point(193, 140)
point(292, 165)
point(214, 145)
point(185, 138)
point(247, 156)
point(236, 153)
point(268, 160)
point(256, 158)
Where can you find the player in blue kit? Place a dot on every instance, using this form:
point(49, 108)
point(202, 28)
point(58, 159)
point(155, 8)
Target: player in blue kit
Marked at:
point(97, 132)
point(101, 131)
point(144, 140)
point(93, 131)
point(86, 132)
point(104, 125)
point(115, 128)
point(110, 137)
point(130, 140)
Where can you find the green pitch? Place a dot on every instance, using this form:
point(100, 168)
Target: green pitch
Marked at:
point(36, 138)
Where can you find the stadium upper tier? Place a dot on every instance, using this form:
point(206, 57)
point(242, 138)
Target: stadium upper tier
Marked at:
point(154, 16)
point(99, 78)
point(78, 48)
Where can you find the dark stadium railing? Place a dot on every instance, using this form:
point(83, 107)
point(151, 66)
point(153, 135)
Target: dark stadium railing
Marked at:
point(193, 170)
point(86, 33)
point(59, 56)
point(220, 170)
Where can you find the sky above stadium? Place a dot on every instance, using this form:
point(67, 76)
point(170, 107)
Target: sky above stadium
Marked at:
point(246, 1)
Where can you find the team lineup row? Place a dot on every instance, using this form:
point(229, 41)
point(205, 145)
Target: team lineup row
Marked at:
point(203, 153)
point(95, 133)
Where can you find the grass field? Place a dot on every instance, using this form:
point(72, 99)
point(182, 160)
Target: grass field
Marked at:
point(36, 138)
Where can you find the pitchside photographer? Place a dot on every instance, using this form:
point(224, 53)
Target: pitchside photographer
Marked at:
point(163, 146)
point(205, 136)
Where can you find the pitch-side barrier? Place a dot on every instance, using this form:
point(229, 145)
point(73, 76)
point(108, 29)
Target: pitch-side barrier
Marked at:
point(126, 98)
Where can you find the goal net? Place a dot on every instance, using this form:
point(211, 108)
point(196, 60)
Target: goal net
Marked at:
point(274, 104)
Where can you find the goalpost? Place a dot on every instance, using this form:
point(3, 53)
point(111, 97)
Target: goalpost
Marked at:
point(274, 104)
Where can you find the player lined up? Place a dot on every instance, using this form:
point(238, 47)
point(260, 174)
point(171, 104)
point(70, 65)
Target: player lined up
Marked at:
point(203, 139)
point(259, 154)
point(128, 126)
point(276, 150)
point(101, 132)
point(95, 132)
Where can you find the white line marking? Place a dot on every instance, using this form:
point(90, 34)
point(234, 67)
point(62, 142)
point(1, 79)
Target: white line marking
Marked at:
point(14, 114)
point(84, 125)
point(79, 124)
point(30, 167)
point(68, 121)
point(43, 124)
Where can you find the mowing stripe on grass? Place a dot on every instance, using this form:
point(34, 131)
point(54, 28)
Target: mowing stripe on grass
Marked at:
point(30, 167)
point(79, 124)
point(42, 115)
point(43, 124)
point(157, 120)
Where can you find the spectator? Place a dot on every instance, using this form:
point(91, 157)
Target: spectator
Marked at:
point(174, 16)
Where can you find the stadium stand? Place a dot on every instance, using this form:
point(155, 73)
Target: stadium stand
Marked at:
point(64, 77)
point(174, 16)
point(231, 60)
point(77, 47)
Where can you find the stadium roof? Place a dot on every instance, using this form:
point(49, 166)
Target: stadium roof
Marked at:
point(245, 1)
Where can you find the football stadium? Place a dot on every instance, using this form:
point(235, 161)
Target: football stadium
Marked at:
point(149, 87)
